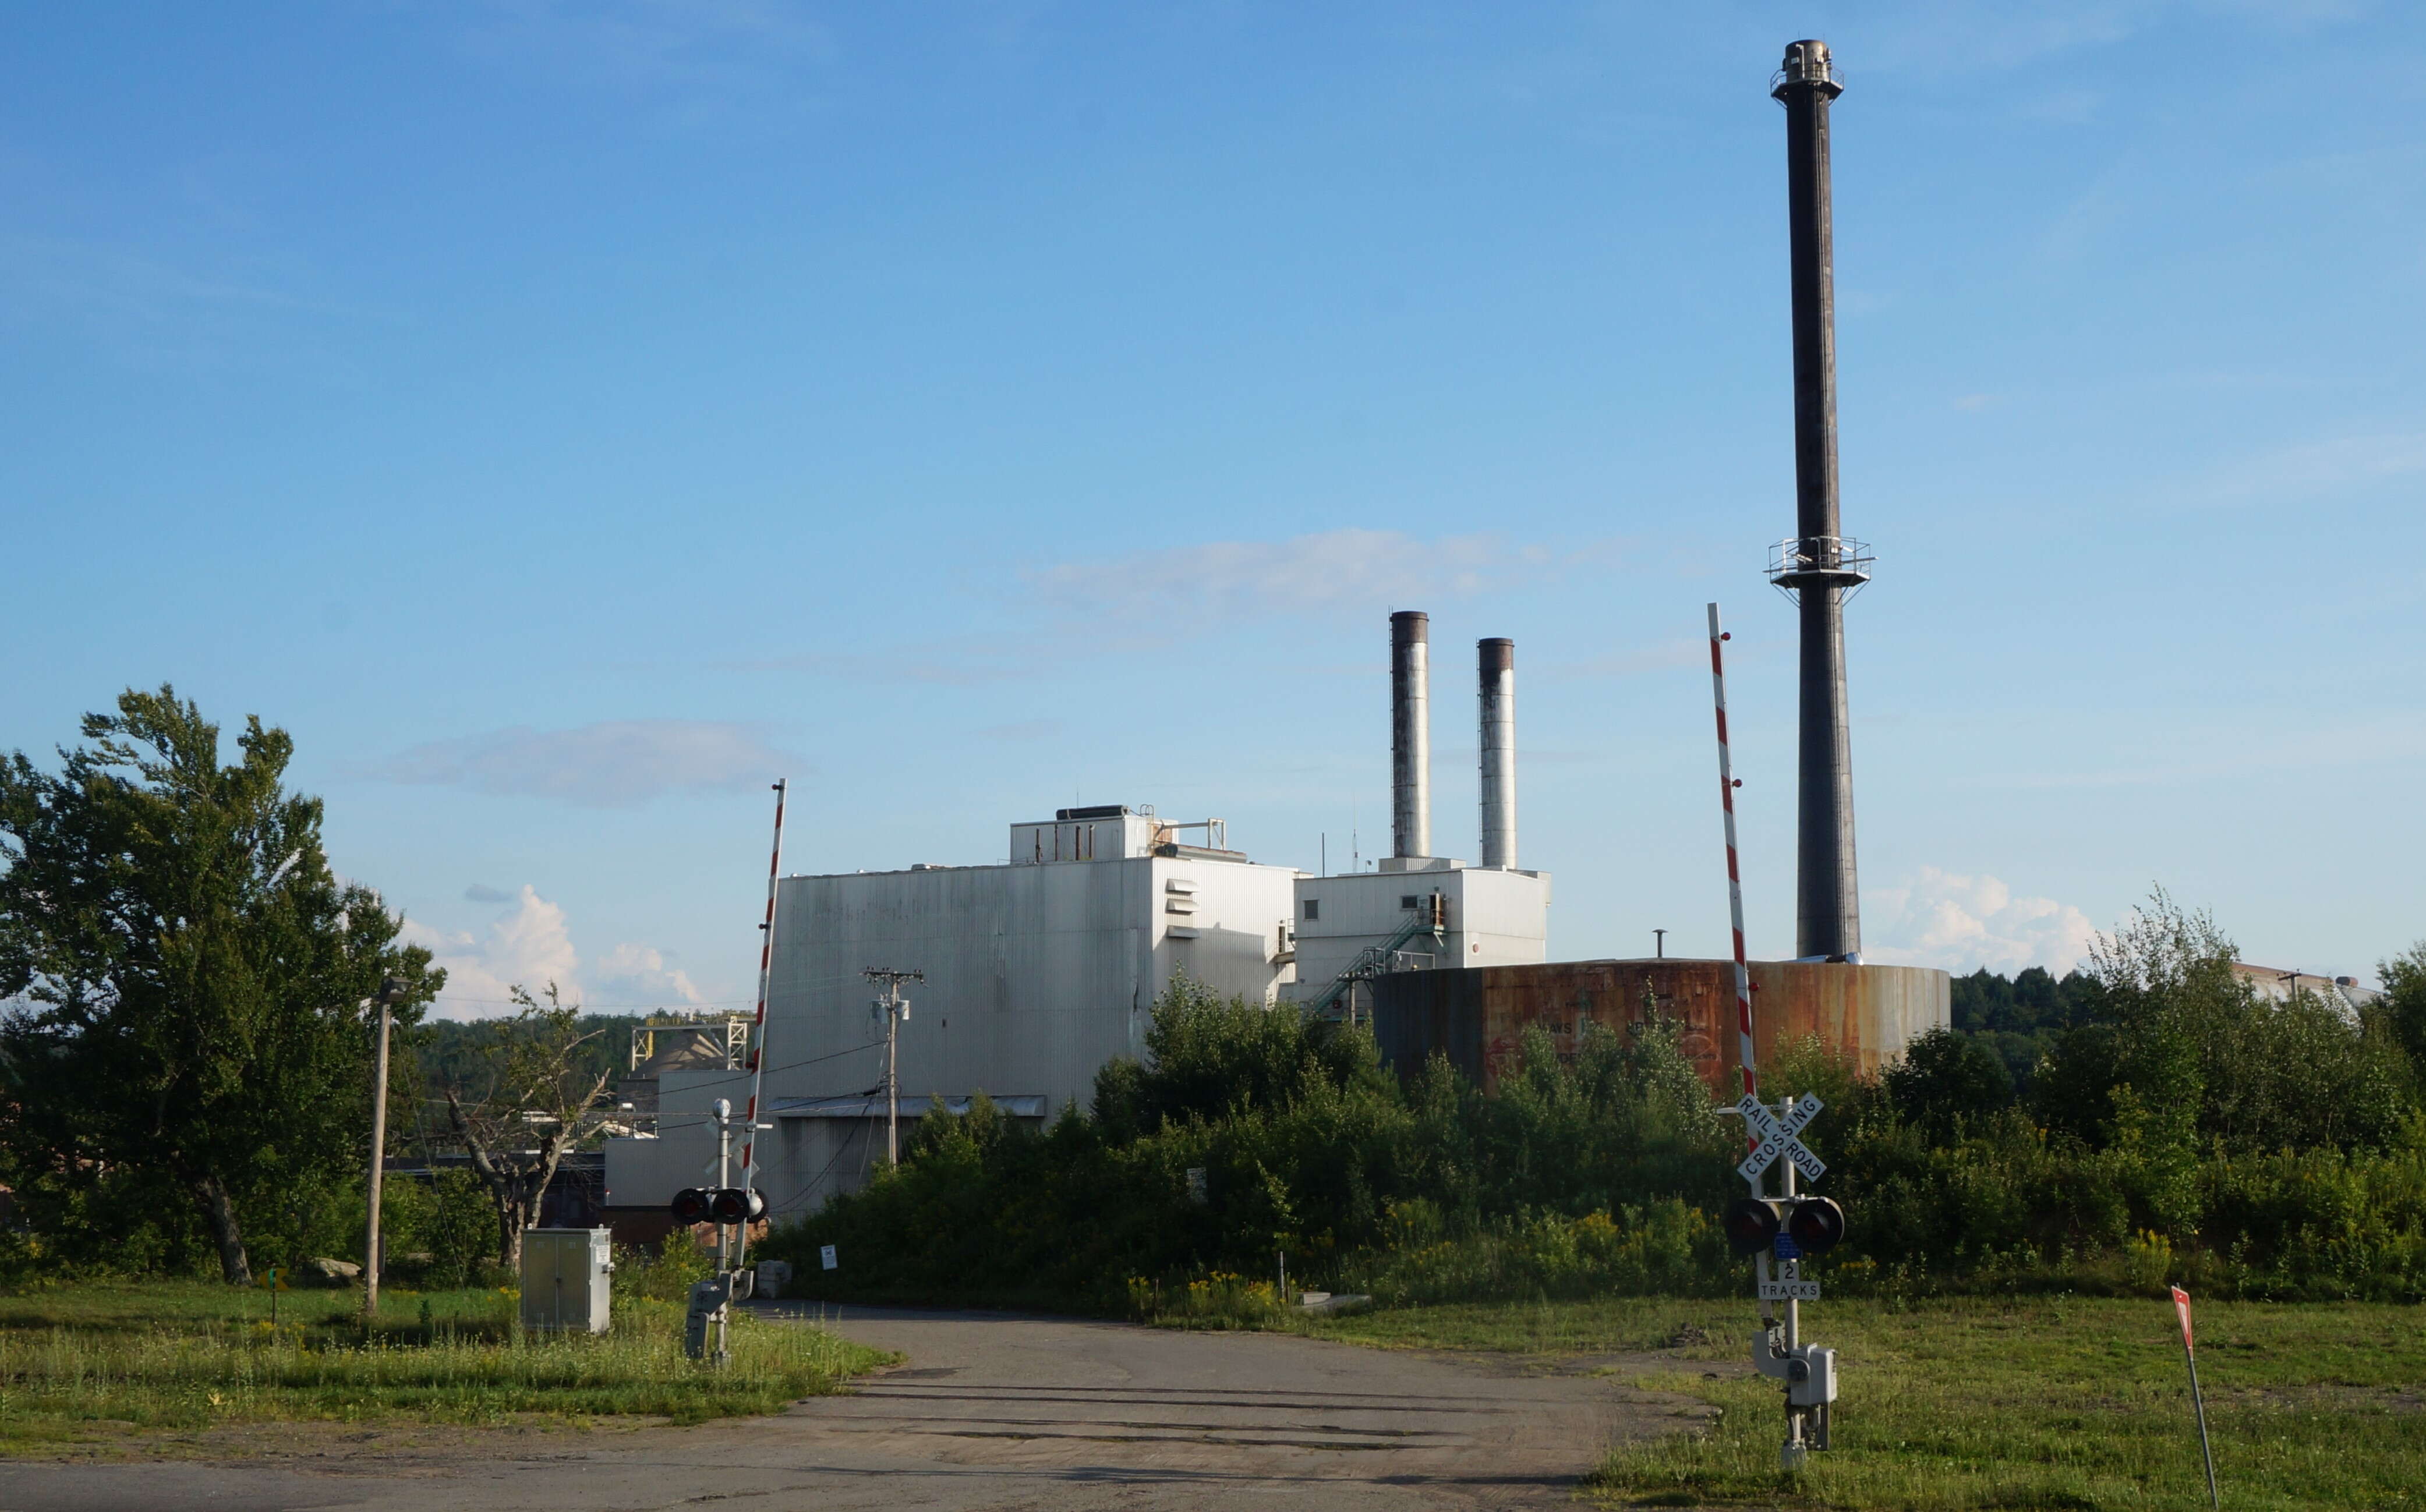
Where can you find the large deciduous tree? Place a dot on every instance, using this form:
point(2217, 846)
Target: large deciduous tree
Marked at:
point(185, 981)
point(532, 1101)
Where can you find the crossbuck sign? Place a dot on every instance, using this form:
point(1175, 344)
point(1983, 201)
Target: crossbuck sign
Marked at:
point(1776, 1136)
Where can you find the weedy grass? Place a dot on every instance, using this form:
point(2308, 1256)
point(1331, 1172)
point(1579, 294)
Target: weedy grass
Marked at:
point(102, 1358)
point(2038, 1402)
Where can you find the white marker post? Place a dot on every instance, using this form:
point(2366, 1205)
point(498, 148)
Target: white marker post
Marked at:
point(2190, 1358)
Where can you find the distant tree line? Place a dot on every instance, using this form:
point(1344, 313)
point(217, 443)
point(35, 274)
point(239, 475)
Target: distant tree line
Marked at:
point(2020, 1017)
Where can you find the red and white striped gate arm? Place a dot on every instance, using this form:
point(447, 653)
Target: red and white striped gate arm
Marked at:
point(758, 1027)
point(1735, 875)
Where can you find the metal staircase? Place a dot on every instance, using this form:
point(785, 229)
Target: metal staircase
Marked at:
point(1431, 917)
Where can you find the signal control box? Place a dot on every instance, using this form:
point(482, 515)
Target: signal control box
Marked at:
point(709, 1300)
point(1809, 1372)
point(567, 1279)
point(1811, 1376)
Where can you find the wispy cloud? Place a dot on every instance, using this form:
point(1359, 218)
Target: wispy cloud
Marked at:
point(1022, 729)
point(1665, 656)
point(155, 314)
point(959, 661)
point(613, 764)
point(1962, 36)
point(1144, 600)
point(701, 47)
point(2235, 750)
point(2335, 462)
point(1345, 571)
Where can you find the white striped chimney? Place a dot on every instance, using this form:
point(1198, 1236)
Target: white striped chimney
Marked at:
point(1410, 735)
point(1497, 660)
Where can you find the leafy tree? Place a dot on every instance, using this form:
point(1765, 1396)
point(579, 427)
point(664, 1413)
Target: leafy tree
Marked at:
point(1947, 1078)
point(189, 1033)
point(2399, 1015)
point(534, 1099)
point(1207, 1056)
point(2180, 1052)
point(454, 1051)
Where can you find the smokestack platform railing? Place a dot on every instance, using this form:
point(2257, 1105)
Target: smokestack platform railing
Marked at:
point(1837, 561)
point(1807, 63)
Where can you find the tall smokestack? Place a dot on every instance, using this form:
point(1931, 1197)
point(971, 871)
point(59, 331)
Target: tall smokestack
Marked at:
point(1410, 735)
point(1819, 566)
point(1497, 660)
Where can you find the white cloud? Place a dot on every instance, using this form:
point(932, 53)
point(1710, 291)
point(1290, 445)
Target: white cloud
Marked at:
point(528, 944)
point(531, 944)
point(1961, 923)
point(612, 764)
point(633, 973)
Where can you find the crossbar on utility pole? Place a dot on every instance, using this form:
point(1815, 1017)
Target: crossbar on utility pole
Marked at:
point(895, 1008)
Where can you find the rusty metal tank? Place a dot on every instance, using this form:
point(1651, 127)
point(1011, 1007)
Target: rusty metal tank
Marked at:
point(1478, 1016)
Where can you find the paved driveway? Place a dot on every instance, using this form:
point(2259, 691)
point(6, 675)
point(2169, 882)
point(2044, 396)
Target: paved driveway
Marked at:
point(988, 1410)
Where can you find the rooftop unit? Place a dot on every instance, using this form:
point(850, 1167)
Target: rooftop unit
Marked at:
point(1113, 832)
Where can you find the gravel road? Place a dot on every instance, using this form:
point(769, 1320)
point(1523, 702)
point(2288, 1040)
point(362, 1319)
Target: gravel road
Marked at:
point(987, 1410)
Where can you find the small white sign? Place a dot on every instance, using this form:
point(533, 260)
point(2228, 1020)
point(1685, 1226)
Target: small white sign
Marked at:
point(1789, 1291)
point(826, 1253)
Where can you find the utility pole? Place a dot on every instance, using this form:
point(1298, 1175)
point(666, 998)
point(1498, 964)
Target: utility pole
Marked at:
point(392, 992)
point(896, 1008)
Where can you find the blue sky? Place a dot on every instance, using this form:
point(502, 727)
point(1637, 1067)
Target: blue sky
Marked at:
point(565, 418)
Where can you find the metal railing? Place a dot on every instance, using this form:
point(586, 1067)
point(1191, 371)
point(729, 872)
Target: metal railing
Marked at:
point(1430, 918)
point(1828, 560)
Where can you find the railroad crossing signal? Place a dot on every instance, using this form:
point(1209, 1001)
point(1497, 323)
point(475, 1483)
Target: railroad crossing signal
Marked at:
point(717, 1204)
point(1778, 1232)
point(1777, 1137)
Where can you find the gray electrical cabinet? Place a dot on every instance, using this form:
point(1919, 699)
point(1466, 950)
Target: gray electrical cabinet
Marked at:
point(566, 1280)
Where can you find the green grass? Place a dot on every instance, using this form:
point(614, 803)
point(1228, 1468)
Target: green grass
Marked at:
point(96, 1357)
point(2055, 1402)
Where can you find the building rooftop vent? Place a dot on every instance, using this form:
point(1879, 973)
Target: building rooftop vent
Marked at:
point(1099, 810)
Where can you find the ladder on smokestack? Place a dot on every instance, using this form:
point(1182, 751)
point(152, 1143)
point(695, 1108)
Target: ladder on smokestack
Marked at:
point(1430, 918)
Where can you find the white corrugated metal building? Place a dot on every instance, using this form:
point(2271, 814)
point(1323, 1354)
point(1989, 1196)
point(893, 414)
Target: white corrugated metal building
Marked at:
point(1036, 973)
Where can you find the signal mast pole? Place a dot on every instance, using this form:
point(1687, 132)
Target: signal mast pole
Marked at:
point(758, 1029)
point(1727, 785)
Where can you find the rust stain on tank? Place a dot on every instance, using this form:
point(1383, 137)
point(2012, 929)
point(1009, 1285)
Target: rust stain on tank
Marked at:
point(1478, 1016)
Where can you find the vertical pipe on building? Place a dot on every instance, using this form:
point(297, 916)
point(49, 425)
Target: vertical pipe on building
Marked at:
point(1411, 743)
point(1496, 662)
point(1827, 916)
